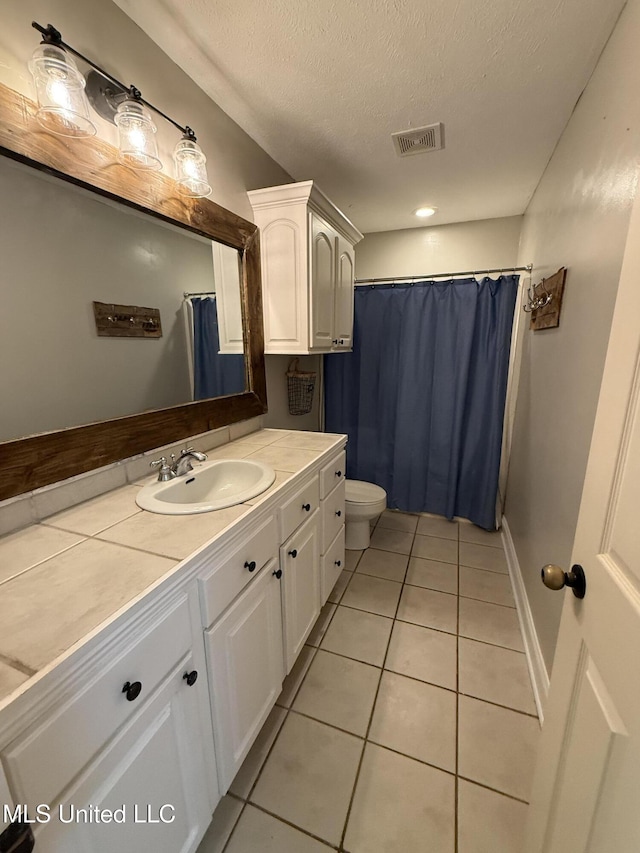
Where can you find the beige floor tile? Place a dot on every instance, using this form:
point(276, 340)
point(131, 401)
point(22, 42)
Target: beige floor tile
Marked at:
point(486, 586)
point(374, 595)
point(340, 585)
point(438, 526)
point(433, 575)
point(394, 520)
point(293, 681)
point(383, 564)
point(339, 691)
point(488, 822)
point(490, 623)
point(471, 533)
point(495, 674)
point(358, 635)
point(483, 557)
point(222, 823)
point(251, 766)
point(322, 623)
point(309, 777)
point(400, 805)
point(429, 608)
point(374, 522)
point(496, 747)
point(416, 719)
point(351, 559)
point(434, 548)
point(423, 653)
point(258, 832)
point(391, 540)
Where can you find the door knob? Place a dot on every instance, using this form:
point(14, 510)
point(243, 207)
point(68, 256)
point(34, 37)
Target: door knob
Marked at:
point(132, 690)
point(555, 578)
point(191, 677)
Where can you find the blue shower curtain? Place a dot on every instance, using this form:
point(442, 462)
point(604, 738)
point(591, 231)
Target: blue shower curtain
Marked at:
point(215, 373)
point(422, 395)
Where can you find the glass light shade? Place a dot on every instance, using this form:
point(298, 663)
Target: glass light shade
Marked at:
point(191, 169)
point(62, 103)
point(137, 136)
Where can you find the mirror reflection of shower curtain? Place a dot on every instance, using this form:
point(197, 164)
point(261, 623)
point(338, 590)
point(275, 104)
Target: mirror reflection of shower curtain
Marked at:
point(212, 374)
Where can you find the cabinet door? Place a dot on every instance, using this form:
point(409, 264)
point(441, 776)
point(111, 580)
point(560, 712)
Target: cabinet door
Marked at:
point(343, 304)
point(323, 272)
point(300, 561)
point(226, 273)
point(244, 650)
point(152, 776)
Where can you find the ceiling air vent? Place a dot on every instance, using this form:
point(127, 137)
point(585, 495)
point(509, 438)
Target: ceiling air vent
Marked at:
point(419, 140)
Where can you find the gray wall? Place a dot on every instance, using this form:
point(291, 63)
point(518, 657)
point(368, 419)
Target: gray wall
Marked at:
point(578, 218)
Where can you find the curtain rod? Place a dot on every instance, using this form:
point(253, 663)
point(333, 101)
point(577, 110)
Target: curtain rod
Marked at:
point(201, 293)
point(474, 273)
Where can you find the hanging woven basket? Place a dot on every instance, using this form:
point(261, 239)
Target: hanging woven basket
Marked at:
point(300, 386)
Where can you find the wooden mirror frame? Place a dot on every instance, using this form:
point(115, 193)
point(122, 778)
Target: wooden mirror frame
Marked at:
point(29, 463)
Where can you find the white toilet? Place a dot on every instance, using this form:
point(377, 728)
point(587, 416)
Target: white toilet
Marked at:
point(363, 502)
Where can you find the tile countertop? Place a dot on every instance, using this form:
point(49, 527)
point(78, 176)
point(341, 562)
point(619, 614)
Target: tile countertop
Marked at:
point(62, 578)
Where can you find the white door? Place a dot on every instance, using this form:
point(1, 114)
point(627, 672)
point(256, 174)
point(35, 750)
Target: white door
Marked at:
point(345, 274)
point(246, 668)
point(300, 561)
point(587, 783)
point(323, 279)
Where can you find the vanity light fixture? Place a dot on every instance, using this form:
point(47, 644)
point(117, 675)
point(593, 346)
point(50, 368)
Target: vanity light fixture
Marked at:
point(423, 212)
point(63, 108)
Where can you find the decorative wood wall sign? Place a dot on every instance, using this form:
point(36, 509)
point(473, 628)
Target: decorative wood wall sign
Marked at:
point(548, 317)
point(126, 321)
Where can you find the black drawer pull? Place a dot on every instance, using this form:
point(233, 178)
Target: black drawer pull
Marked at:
point(306, 507)
point(338, 563)
point(338, 473)
point(191, 677)
point(250, 565)
point(338, 512)
point(293, 553)
point(132, 690)
point(277, 573)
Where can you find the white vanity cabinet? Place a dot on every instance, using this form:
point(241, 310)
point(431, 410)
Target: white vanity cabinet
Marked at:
point(246, 668)
point(307, 251)
point(332, 509)
point(127, 732)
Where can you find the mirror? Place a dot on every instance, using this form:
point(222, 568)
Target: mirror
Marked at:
point(52, 437)
point(64, 249)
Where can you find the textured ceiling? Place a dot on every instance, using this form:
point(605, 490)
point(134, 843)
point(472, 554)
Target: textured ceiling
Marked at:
point(321, 86)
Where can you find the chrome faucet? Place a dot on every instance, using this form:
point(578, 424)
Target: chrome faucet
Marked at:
point(169, 471)
point(184, 464)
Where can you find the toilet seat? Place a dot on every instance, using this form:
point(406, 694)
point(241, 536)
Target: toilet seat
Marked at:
point(360, 492)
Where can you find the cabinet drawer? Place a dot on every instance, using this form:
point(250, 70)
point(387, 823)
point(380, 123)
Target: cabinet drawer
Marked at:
point(332, 516)
point(299, 508)
point(332, 474)
point(53, 752)
point(229, 577)
point(332, 564)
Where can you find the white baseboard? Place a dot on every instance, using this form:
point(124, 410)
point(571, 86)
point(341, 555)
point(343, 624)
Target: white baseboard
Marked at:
point(535, 661)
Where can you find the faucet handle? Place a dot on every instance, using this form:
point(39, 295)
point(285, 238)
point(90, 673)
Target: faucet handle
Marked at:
point(165, 473)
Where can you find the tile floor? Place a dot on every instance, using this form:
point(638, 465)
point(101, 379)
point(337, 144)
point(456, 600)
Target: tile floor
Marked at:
point(408, 722)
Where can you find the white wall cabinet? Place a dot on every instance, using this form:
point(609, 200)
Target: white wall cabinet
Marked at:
point(246, 669)
point(307, 269)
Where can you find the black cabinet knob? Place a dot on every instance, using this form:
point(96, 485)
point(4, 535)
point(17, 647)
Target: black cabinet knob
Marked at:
point(277, 573)
point(306, 507)
point(338, 563)
point(293, 553)
point(191, 677)
point(338, 512)
point(250, 565)
point(338, 473)
point(132, 690)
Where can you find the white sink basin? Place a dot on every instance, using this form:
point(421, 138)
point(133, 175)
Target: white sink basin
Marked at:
point(213, 485)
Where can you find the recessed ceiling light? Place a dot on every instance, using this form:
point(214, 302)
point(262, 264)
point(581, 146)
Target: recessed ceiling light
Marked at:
point(425, 211)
